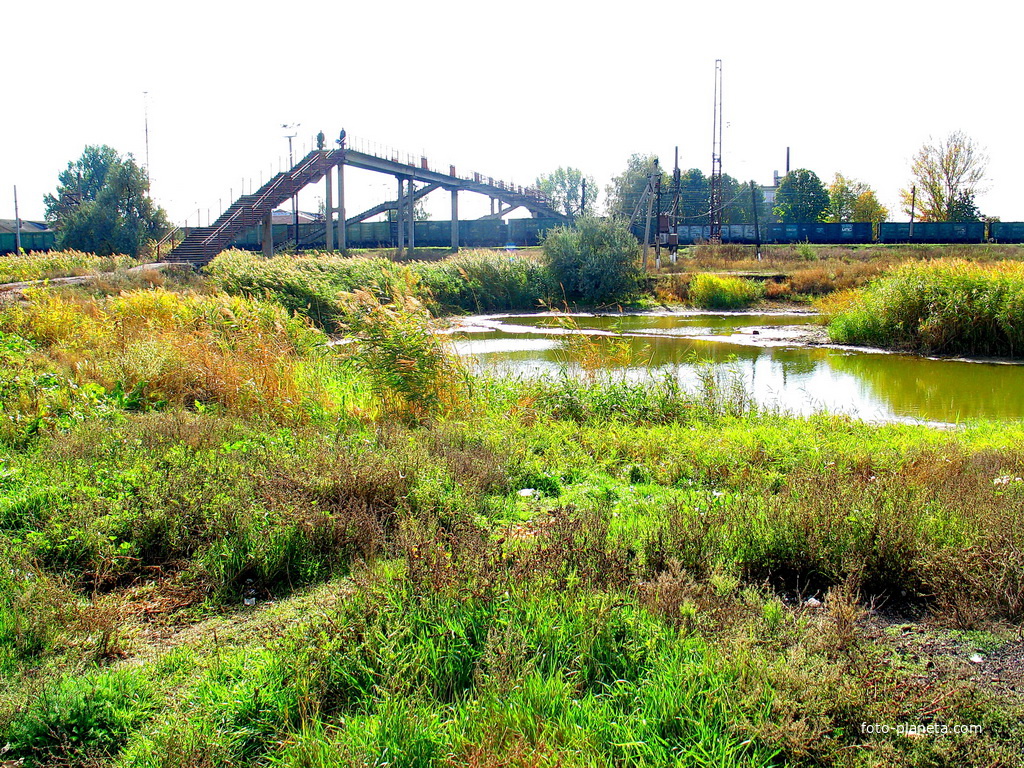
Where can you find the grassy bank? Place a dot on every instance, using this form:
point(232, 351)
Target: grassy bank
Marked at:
point(228, 543)
point(952, 307)
point(472, 281)
point(805, 272)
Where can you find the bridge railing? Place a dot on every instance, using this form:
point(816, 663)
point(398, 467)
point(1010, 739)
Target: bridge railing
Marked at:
point(386, 152)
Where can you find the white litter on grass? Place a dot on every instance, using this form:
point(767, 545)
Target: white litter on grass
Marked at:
point(529, 493)
point(1006, 480)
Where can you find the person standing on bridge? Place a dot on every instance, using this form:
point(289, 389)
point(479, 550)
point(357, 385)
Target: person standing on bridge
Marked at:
point(320, 140)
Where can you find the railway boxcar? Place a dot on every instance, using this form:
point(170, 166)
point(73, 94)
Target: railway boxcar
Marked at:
point(30, 241)
point(819, 232)
point(933, 232)
point(1007, 231)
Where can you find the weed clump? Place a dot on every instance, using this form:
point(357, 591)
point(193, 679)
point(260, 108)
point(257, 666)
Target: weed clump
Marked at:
point(411, 368)
point(80, 720)
point(718, 292)
point(312, 285)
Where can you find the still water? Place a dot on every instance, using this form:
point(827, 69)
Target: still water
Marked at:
point(780, 357)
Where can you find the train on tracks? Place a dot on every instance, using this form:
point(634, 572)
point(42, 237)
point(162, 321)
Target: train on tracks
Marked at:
point(528, 232)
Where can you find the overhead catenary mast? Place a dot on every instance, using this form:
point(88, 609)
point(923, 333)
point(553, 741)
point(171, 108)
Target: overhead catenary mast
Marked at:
point(673, 241)
point(716, 160)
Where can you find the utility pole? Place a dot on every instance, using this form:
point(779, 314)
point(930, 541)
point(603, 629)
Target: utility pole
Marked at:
point(757, 227)
point(342, 235)
point(674, 221)
point(17, 223)
point(913, 203)
point(649, 193)
point(657, 236)
point(293, 131)
point(145, 113)
point(716, 160)
point(583, 196)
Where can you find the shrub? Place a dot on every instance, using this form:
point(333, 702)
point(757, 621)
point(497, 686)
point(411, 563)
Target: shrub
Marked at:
point(715, 292)
point(596, 261)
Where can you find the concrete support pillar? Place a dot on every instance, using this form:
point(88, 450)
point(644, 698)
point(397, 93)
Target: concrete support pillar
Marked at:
point(412, 214)
point(329, 228)
point(342, 234)
point(268, 234)
point(400, 214)
point(455, 219)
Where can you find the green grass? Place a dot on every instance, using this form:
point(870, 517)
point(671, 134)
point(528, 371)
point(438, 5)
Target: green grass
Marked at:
point(471, 281)
point(79, 720)
point(15, 268)
point(947, 307)
point(564, 572)
point(716, 292)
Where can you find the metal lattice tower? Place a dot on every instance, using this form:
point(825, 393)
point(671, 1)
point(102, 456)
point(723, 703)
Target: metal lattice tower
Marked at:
point(716, 160)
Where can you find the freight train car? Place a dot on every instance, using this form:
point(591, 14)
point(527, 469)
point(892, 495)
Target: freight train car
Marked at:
point(30, 241)
point(1006, 231)
point(480, 233)
point(848, 233)
point(493, 233)
point(932, 232)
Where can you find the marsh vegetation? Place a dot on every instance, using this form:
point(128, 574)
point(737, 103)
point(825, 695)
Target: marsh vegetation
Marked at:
point(227, 541)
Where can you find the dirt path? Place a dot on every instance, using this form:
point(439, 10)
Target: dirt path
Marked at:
point(146, 638)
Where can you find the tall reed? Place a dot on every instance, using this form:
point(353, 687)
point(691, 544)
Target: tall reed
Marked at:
point(949, 306)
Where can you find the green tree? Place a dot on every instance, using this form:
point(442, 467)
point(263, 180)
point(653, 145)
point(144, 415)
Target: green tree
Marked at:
point(596, 261)
point(419, 212)
point(626, 189)
point(694, 198)
point(740, 204)
point(867, 208)
point(842, 196)
point(852, 200)
point(564, 187)
point(801, 197)
point(102, 205)
point(947, 174)
point(963, 208)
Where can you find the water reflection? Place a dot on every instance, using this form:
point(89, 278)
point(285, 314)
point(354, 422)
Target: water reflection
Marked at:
point(869, 385)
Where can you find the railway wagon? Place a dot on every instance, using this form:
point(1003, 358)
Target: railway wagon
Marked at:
point(932, 232)
point(771, 232)
point(1006, 231)
point(481, 233)
point(30, 241)
point(731, 233)
point(820, 232)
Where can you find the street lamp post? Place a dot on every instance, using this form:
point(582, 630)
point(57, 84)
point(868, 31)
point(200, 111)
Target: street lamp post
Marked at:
point(292, 132)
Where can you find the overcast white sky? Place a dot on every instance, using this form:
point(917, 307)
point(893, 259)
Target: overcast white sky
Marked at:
point(510, 89)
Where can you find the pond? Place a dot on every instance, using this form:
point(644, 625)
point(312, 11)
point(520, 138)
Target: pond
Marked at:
point(783, 358)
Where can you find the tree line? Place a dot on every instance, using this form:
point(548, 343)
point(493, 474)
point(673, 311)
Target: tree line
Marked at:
point(946, 176)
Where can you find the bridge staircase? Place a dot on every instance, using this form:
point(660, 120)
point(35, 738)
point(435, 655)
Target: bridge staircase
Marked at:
point(201, 244)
